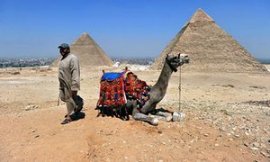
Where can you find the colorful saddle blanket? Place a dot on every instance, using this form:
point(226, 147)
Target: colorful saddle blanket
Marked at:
point(116, 88)
point(112, 93)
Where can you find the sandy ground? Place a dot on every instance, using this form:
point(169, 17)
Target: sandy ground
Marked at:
point(227, 119)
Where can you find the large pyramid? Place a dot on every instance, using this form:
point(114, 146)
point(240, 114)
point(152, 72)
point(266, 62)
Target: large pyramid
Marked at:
point(210, 48)
point(88, 52)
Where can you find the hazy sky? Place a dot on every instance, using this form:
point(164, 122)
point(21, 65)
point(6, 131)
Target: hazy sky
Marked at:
point(124, 27)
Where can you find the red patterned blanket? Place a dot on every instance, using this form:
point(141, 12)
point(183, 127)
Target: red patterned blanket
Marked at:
point(117, 88)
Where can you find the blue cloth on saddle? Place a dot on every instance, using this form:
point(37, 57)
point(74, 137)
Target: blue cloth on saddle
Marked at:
point(111, 76)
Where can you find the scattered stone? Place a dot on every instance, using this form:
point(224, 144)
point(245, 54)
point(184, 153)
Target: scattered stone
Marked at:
point(236, 135)
point(159, 131)
point(246, 144)
point(265, 154)
point(15, 73)
point(31, 107)
point(206, 135)
point(36, 136)
point(255, 144)
point(254, 148)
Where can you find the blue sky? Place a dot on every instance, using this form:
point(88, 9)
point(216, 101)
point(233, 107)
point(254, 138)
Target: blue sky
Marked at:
point(130, 28)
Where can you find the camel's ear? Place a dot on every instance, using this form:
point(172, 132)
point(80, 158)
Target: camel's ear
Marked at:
point(126, 68)
point(103, 71)
point(178, 55)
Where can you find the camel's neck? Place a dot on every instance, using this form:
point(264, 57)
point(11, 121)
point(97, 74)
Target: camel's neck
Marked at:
point(164, 78)
point(158, 91)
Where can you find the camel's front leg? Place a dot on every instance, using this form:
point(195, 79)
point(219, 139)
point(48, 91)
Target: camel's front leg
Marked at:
point(148, 107)
point(142, 117)
point(162, 115)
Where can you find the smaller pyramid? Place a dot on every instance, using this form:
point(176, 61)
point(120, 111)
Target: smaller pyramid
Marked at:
point(88, 52)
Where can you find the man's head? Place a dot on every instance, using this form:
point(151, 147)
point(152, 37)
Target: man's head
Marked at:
point(64, 49)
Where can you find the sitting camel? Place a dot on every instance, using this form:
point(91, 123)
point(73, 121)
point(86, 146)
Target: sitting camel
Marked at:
point(145, 109)
point(158, 92)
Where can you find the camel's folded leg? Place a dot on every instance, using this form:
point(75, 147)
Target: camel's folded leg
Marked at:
point(166, 116)
point(145, 118)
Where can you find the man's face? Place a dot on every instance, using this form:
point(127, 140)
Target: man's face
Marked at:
point(63, 51)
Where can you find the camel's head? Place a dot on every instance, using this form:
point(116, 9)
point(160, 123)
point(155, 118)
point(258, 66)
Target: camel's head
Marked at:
point(175, 61)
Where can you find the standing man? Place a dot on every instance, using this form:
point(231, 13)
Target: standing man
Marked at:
point(69, 78)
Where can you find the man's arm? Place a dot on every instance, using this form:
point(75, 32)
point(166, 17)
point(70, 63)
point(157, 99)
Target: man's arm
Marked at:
point(75, 75)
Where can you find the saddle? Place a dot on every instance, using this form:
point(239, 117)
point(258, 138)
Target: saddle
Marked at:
point(112, 92)
point(117, 88)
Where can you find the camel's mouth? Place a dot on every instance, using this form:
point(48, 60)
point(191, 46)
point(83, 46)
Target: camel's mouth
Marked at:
point(187, 61)
point(184, 58)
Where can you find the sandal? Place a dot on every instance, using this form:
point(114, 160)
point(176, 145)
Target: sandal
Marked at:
point(66, 121)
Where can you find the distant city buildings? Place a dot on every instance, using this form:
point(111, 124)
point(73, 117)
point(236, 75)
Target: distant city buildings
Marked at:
point(134, 60)
point(33, 62)
point(24, 62)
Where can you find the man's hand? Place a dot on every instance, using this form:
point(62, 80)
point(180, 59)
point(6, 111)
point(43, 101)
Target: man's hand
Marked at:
point(74, 93)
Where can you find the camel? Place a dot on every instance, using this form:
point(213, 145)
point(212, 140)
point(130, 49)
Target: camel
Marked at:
point(158, 91)
point(156, 94)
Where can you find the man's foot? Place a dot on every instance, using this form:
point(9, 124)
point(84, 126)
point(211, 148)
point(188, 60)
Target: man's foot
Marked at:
point(66, 121)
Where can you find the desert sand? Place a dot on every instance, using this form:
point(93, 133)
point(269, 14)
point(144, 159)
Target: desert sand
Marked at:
point(227, 119)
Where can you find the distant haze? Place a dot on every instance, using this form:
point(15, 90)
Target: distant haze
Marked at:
point(140, 28)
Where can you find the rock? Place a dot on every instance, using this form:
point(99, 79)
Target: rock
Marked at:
point(36, 136)
point(236, 135)
point(255, 144)
point(254, 148)
point(206, 135)
point(265, 154)
point(31, 107)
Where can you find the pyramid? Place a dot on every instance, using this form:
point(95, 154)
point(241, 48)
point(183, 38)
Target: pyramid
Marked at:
point(88, 52)
point(210, 48)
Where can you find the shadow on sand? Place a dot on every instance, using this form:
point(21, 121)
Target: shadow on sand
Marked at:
point(77, 116)
point(259, 103)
